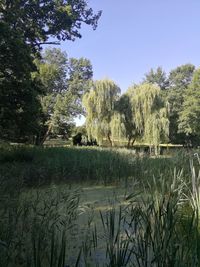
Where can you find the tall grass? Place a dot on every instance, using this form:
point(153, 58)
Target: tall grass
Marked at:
point(153, 231)
point(155, 225)
point(38, 166)
point(35, 226)
point(195, 190)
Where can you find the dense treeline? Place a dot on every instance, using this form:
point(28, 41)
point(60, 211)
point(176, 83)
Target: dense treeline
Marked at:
point(140, 113)
point(160, 109)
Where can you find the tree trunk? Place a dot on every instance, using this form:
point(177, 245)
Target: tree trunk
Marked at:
point(45, 135)
point(157, 150)
point(132, 143)
point(109, 139)
point(129, 141)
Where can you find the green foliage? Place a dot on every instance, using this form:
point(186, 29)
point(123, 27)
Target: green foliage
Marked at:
point(146, 113)
point(125, 125)
point(179, 80)
point(150, 114)
point(151, 223)
point(99, 104)
point(189, 121)
point(176, 86)
point(35, 224)
point(79, 72)
point(52, 70)
point(157, 77)
point(65, 81)
point(37, 21)
point(98, 165)
point(80, 129)
point(140, 112)
point(24, 27)
point(16, 154)
point(181, 76)
point(19, 103)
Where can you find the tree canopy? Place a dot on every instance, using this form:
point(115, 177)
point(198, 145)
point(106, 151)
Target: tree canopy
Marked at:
point(124, 121)
point(179, 80)
point(189, 121)
point(99, 104)
point(140, 113)
point(150, 113)
point(25, 25)
point(19, 103)
point(37, 21)
point(157, 77)
point(65, 81)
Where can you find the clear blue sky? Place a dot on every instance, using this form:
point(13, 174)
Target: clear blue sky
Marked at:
point(136, 35)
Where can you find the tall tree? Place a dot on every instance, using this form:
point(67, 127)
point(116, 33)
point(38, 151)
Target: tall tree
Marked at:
point(80, 73)
point(65, 82)
point(19, 103)
point(150, 114)
point(99, 104)
point(189, 121)
point(157, 77)
point(179, 80)
point(25, 25)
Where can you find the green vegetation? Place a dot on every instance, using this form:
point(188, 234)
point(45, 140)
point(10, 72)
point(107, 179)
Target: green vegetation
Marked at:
point(179, 80)
point(161, 109)
point(24, 27)
point(39, 166)
point(140, 113)
point(189, 116)
point(98, 207)
point(99, 104)
point(65, 81)
point(150, 114)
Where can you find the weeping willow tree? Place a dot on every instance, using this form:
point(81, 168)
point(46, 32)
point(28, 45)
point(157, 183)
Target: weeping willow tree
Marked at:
point(150, 114)
point(117, 127)
point(99, 105)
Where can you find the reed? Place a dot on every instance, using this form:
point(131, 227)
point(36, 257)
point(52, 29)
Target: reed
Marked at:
point(154, 224)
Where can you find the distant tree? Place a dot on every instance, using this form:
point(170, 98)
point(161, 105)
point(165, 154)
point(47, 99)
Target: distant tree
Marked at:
point(179, 80)
point(99, 105)
point(181, 76)
point(157, 77)
point(65, 83)
point(80, 75)
point(189, 120)
point(150, 114)
point(80, 129)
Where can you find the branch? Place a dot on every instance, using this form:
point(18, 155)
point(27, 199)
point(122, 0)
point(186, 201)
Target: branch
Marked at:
point(47, 43)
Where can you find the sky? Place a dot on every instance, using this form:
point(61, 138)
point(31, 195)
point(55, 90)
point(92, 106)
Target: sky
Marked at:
point(134, 36)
